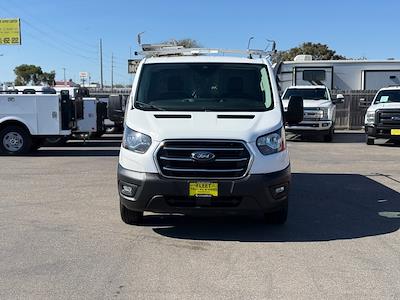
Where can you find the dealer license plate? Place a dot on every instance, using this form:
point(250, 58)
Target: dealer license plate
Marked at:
point(203, 189)
point(395, 132)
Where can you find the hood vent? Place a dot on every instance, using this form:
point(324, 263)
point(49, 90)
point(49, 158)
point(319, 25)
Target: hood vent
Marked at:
point(235, 116)
point(172, 116)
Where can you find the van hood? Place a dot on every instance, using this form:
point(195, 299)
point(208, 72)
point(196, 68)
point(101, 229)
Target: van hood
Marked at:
point(245, 126)
point(393, 105)
point(307, 103)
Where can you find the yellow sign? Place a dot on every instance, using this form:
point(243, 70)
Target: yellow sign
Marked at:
point(10, 32)
point(395, 132)
point(203, 188)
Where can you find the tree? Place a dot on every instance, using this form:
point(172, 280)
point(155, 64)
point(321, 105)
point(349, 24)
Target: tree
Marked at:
point(48, 78)
point(186, 43)
point(31, 74)
point(317, 50)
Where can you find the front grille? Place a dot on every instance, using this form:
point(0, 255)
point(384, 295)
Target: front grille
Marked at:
point(389, 118)
point(231, 160)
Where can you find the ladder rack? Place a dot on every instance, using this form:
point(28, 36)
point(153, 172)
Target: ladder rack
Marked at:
point(157, 50)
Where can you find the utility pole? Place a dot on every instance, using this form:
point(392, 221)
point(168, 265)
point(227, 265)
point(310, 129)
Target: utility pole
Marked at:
point(101, 64)
point(112, 72)
point(65, 78)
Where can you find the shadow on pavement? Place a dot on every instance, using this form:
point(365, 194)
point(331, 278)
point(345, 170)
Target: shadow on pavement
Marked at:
point(64, 152)
point(323, 207)
point(339, 137)
point(104, 146)
point(343, 137)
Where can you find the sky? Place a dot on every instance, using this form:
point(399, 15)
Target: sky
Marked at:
point(65, 34)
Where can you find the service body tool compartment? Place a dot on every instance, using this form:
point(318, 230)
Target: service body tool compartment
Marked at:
point(48, 114)
point(40, 113)
point(89, 122)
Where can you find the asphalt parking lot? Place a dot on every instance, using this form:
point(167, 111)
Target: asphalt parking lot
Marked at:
point(61, 236)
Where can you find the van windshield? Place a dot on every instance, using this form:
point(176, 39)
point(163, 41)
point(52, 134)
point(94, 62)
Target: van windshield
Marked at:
point(307, 94)
point(204, 87)
point(387, 97)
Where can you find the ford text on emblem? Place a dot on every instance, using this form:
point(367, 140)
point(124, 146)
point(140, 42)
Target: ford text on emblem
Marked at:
point(396, 118)
point(203, 156)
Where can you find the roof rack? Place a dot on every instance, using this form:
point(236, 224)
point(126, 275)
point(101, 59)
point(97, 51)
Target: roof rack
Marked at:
point(157, 50)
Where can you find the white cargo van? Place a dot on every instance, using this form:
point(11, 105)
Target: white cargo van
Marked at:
point(205, 134)
point(382, 119)
point(319, 110)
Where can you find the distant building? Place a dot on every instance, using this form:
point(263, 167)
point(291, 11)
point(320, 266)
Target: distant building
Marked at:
point(69, 83)
point(338, 74)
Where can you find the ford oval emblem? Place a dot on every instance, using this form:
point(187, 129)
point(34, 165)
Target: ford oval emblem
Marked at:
point(395, 118)
point(203, 156)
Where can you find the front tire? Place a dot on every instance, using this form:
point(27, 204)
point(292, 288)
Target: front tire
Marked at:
point(130, 217)
point(329, 137)
point(55, 141)
point(15, 140)
point(278, 217)
point(370, 140)
point(36, 144)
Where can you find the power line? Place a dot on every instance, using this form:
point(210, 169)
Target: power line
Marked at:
point(56, 46)
point(49, 35)
point(53, 28)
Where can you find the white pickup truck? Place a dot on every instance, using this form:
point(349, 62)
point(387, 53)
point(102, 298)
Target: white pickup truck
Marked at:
point(382, 119)
point(319, 110)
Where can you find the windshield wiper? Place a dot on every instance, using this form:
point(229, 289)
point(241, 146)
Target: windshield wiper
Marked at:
point(144, 105)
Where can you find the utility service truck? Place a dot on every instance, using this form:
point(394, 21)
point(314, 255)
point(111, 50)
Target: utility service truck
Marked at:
point(33, 116)
point(204, 133)
point(27, 119)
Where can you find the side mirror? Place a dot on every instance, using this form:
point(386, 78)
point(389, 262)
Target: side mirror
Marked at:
point(295, 110)
point(339, 99)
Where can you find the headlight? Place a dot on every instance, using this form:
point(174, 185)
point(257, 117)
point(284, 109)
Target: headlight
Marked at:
point(135, 141)
point(370, 117)
point(272, 143)
point(324, 113)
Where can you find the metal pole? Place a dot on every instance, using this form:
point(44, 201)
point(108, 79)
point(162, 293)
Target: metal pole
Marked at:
point(65, 78)
point(101, 64)
point(112, 72)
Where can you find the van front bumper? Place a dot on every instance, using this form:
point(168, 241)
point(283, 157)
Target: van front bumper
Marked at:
point(253, 193)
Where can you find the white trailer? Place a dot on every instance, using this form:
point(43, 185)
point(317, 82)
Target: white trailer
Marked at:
point(27, 119)
point(338, 74)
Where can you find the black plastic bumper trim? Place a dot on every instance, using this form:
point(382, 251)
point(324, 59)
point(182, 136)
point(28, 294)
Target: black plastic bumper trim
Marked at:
point(252, 193)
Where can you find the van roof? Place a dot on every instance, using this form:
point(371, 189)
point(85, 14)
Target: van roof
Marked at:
point(205, 59)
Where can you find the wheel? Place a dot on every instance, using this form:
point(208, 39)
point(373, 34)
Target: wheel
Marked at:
point(130, 217)
point(118, 128)
point(55, 141)
point(15, 140)
point(36, 144)
point(395, 142)
point(329, 137)
point(370, 140)
point(97, 135)
point(277, 217)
